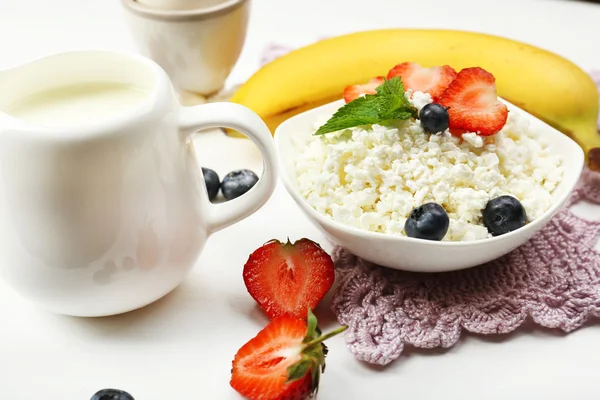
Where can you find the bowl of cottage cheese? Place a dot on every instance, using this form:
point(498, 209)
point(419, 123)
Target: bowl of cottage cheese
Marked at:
point(360, 185)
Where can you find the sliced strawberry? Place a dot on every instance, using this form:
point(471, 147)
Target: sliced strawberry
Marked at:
point(284, 361)
point(288, 279)
point(429, 80)
point(473, 104)
point(353, 92)
point(260, 366)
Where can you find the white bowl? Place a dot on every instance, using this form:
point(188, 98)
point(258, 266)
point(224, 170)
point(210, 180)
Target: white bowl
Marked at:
point(404, 253)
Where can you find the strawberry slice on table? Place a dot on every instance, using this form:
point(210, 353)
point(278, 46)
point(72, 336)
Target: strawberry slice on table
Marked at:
point(284, 361)
point(428, 80)
point(473, 104)
point(288, 279)
point(353, 92)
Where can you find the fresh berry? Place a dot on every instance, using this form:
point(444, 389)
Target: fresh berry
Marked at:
point(429, 80)
point(213, 184)
point(288, 279)
point(434, 118)
point(236, 183)
point(112, 394)
point(473, 104)
point(429, 221)
point(284, 361)
point(353, 92)
point(504, 214)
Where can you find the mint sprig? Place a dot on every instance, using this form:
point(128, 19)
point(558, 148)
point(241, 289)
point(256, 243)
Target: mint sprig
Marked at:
point(388, 104)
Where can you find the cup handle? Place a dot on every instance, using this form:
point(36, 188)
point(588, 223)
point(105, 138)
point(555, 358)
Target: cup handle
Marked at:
point(242, 119)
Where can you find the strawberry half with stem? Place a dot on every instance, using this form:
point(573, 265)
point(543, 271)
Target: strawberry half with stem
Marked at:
point(288, 279)
point(428, 80)
point(284, 361)
point(353, 92)
point(473, 104)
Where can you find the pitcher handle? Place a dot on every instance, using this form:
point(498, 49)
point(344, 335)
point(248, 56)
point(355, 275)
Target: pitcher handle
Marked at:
point(242, 119)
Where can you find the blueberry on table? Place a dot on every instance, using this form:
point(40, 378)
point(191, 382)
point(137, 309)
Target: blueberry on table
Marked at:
point(112, 394)
point(236, 183)
point(504, 214)
point(429, 221)
point(213, 184)
point(434, 118)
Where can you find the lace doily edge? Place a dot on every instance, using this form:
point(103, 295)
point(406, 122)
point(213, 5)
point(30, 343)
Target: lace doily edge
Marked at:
point(368, 347)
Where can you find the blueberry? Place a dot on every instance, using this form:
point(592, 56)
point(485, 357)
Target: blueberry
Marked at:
point(236, 183)
point(429, 221)
point(434, 118)
point(211, 178)
point(112, 394)
point(504, 214)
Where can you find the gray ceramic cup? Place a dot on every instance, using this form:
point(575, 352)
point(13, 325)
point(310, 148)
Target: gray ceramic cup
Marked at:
point(197, 47)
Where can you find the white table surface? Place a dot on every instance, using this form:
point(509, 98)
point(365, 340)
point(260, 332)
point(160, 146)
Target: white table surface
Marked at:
point(181, 347)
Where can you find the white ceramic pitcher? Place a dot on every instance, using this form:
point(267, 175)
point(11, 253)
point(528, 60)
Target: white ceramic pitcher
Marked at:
point(103, 217)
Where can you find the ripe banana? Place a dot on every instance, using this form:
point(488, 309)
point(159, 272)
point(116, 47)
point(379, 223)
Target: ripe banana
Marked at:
point(542, 83)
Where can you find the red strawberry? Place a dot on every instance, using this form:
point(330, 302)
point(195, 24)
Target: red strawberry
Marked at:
point(429, 80)
point(284, 361)
point(287, 279)
point(473, 104)
point(352, 92)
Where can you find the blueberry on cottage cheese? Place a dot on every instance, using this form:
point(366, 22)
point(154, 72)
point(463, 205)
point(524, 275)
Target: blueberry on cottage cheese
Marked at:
point(112, 394)
point(236, 183)
point(429, 221)
point(434, 118)
point(504, 214)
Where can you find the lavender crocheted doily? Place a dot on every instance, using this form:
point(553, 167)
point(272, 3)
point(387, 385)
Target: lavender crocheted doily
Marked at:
point(554, 279)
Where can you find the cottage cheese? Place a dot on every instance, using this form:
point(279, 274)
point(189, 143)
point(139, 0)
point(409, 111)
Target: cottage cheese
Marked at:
point(372, 177)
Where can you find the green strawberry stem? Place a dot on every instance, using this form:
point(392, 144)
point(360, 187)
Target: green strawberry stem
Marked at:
point(313, 353)
point(325, 336)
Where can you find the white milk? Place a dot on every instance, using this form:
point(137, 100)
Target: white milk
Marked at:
point(77, 104)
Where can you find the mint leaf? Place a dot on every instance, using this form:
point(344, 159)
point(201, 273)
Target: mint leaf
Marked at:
point(362, 111)
point(392, 87)
point(388, 104)
point(393, 103)
point(398, 115)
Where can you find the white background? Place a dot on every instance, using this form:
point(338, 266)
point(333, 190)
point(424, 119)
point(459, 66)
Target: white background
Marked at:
point(181, 347)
